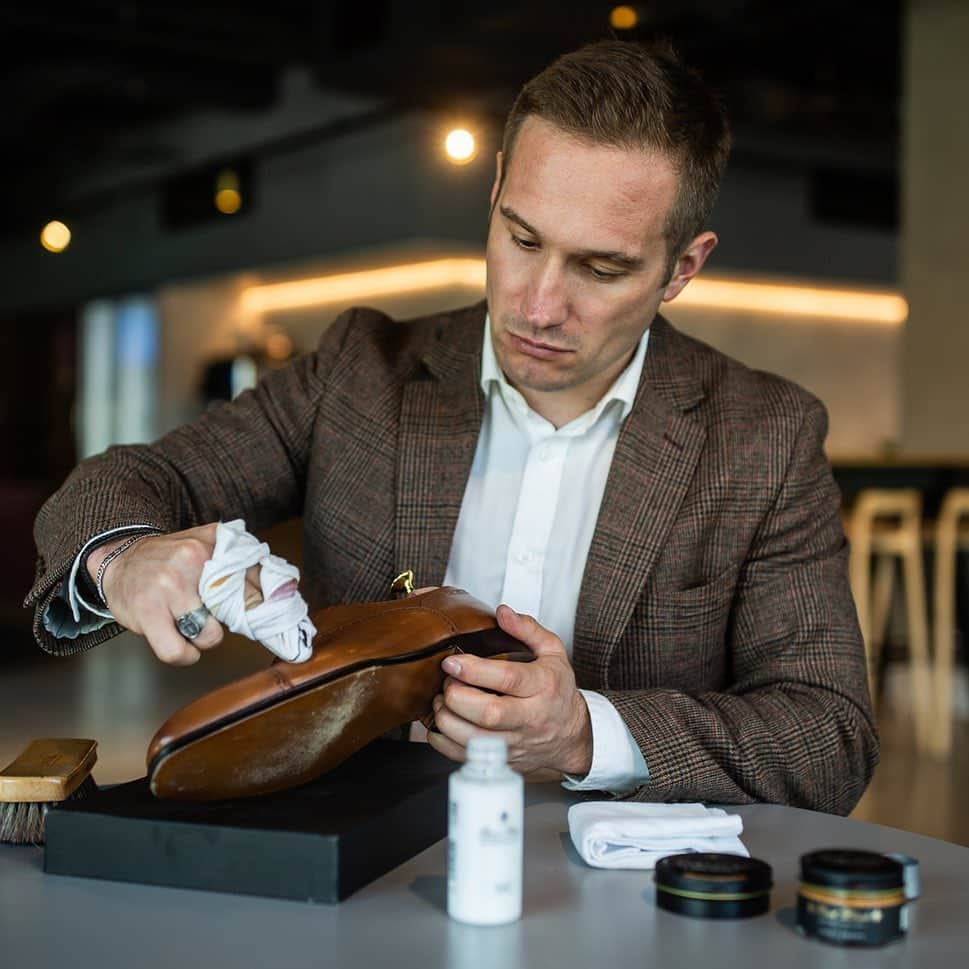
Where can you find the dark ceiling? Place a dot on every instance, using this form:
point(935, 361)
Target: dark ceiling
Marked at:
point(805, 83)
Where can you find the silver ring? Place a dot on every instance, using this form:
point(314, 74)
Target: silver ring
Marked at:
point(191, 623)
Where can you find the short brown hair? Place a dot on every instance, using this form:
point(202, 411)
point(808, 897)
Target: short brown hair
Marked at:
point(630, 96)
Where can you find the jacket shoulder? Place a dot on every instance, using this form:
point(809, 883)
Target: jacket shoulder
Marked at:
point(733, 390)
point(373, 340)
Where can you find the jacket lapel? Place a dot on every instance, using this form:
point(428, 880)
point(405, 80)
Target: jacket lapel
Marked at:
point(440, 419)
point(655, 457)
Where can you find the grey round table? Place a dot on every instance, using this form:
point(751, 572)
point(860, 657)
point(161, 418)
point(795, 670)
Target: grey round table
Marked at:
point(573, 915)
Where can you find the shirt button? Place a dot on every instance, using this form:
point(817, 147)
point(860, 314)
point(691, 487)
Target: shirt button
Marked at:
point(544, 453)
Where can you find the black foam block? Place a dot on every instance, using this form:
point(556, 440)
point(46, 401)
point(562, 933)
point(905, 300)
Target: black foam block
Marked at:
point(318, 843)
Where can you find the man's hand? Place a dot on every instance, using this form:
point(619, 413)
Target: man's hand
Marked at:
point(157, 579)
point(540, 712)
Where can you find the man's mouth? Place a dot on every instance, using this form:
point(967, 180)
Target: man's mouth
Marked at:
point(534, 348)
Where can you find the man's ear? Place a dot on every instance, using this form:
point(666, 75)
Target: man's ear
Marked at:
point(496, 188)
point(689, 264)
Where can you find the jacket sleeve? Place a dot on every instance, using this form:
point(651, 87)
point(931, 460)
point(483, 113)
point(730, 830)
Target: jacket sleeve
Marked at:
point(794, 725)
point(246, 458)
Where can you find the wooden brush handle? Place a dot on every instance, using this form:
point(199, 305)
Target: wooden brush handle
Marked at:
point(48, 770)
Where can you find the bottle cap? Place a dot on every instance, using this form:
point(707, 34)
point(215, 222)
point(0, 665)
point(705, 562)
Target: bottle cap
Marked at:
point(847, 868)
point(487, 750)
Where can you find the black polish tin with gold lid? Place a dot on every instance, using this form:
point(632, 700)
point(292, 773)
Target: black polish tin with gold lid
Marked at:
point(711, 885)
point(851, 898)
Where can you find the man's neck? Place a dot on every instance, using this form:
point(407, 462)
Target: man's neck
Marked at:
point(561, 407)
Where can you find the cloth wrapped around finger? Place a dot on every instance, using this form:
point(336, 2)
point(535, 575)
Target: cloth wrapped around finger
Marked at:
point(281, 621)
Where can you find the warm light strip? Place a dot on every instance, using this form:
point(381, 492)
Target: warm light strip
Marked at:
point(350, 287)
point(881, 307)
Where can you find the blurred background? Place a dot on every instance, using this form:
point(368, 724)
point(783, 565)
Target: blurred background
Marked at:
point(191, 192)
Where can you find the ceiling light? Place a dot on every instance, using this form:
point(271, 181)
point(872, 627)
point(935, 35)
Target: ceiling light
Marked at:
point(623, 18)
point(55, 236)
point(460, 146)
point(366, 284)
point(882, 307)
point(228, 197)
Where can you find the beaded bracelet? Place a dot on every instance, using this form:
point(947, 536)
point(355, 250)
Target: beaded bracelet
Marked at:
point(111, 556)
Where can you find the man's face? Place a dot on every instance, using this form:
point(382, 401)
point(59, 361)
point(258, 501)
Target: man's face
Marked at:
point(576, 260)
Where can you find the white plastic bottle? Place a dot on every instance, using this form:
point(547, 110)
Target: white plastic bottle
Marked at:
point(485, 815)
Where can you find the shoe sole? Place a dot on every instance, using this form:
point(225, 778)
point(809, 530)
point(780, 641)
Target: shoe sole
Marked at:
point(289, 740)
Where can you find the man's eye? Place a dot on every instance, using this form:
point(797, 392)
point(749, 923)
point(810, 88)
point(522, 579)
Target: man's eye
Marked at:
point(528, 245)
point(602, 276)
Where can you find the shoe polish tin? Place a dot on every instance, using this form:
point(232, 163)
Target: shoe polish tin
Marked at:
point(711, 885)
point(851, 898)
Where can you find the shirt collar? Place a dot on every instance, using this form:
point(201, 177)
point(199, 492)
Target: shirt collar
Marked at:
point(623, 388)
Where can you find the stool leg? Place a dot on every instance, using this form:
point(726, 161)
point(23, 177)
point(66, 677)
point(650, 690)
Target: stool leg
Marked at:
point(881, 608)
point(944, 645)
point(918, 646)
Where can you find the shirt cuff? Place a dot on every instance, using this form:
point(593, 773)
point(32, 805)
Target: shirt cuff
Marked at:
point(80, 616)
point(61, 622)
point(618, 765)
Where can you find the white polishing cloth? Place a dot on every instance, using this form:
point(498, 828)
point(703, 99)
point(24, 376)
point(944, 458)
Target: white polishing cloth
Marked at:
point(624, 834)
point(280, 622)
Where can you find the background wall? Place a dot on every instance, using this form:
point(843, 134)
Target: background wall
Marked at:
point(935, 351)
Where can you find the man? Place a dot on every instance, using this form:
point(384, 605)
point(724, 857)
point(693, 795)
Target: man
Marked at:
point(661, 519)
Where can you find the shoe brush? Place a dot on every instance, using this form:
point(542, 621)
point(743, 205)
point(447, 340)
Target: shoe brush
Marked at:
point(46, 772)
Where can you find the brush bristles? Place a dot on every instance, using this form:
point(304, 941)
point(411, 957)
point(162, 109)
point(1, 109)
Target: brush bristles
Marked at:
point(23, 823)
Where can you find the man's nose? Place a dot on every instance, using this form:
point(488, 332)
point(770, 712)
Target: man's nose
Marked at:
point(546, 301)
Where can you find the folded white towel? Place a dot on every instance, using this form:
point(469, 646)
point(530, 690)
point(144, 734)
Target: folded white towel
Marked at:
point(280, 622)
point(625, 834)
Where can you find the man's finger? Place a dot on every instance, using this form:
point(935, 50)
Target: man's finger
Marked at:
point(211, 635)
point(452, 726)
point(446, 746)
point(480, 711)
point(187, 655)
point(513, 679)
point(252, 587)
point(541, 641)
point(166, 642)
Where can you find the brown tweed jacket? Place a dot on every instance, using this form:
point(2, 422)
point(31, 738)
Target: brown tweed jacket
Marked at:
point(715, 612)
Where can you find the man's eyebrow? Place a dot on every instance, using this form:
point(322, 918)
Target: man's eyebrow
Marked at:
point(510, 213)
point(613, 256)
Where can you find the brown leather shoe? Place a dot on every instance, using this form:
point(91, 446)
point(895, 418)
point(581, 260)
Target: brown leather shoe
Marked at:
point(375, 666)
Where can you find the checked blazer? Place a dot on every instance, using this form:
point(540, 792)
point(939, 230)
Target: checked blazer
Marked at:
point(715, 612)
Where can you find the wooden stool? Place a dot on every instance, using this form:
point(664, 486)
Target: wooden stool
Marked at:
point(948, 539)
point(885, 525)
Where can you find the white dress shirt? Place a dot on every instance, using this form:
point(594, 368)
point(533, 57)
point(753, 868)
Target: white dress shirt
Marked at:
point(529, 510)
